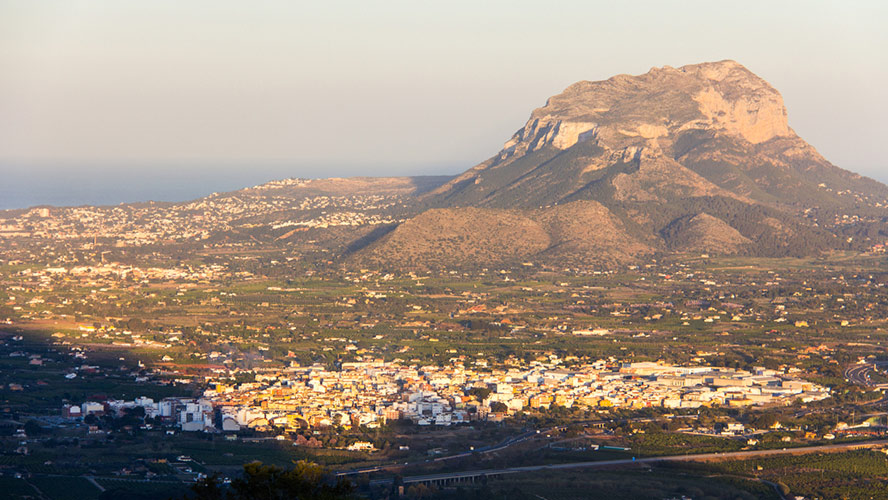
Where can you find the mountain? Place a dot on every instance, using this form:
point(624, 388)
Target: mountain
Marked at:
point(574, 233)
point(692, 159)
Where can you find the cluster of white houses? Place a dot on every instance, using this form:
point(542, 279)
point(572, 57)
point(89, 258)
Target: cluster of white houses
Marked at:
point(370, 393)
point(189, 414)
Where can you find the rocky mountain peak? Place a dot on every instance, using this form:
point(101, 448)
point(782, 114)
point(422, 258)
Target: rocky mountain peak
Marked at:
point(698, 158)
point(628, 110)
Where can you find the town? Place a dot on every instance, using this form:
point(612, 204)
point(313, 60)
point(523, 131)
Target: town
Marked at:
point(370, 393)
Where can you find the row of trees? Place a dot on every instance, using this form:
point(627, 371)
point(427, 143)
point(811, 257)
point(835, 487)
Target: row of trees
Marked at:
point(304, 481)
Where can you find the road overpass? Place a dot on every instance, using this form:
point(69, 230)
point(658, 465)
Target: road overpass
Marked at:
point(860, 374)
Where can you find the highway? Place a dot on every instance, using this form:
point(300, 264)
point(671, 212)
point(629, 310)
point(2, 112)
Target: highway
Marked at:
point(859, 374)
point(486, 449)
point(532, 434)
point(472, 474)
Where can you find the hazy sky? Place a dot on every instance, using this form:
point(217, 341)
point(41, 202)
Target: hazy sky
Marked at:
point(277, 89)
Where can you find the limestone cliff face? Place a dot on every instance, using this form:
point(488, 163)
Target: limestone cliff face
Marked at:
point(722, 96)
point(755, 118)
point(548, 131)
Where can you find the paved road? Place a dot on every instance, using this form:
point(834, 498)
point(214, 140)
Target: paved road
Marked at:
point(532, 434)
point(486, 449)
point(95, 483)
point(610, 463)
point(859, 374)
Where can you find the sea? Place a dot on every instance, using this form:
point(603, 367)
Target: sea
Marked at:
point(24, 187)
point(29, 187)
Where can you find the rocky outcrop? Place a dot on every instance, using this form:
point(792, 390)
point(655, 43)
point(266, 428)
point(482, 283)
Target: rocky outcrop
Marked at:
point(538, 133)
point(756, 120)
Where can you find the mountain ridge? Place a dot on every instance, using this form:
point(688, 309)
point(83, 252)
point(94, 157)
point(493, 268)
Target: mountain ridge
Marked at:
point(703, 153)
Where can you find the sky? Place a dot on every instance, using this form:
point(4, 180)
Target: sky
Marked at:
point(106, 101)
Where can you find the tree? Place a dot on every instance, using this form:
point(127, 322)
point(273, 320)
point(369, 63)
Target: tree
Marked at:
point(498, 407)
point(135, 324)
point(420, 490)
point(32, 428)
point(305, 481)
point(765, 420)
point(784, 489)
point(480, 393)
point(208, 488)
point(138, 411)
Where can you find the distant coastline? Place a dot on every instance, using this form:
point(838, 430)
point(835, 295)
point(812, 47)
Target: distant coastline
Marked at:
point(29, 187)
